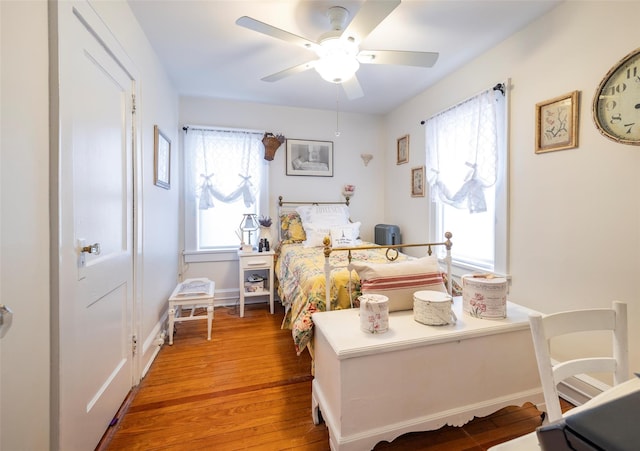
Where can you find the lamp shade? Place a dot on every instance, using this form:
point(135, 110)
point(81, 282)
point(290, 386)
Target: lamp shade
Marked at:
point(249, 222)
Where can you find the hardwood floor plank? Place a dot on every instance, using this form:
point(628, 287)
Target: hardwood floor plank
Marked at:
point(247, 389)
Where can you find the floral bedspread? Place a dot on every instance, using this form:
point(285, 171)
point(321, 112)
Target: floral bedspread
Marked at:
point(301, 284)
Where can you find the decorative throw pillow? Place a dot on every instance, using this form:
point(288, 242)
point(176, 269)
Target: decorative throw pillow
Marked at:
point(316, 235)
point(291, 229)
point(399, 280)
point(345, 235)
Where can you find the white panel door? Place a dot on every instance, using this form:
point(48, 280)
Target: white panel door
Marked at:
point(96, 287)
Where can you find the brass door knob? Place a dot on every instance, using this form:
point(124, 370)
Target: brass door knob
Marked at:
point(92, 249)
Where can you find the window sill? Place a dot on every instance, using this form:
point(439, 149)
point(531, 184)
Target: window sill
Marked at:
point(218, 255)
point(459, 269)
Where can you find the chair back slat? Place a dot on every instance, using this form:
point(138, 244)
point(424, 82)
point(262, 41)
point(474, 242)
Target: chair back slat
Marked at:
point(564, 323)
point(546, 327)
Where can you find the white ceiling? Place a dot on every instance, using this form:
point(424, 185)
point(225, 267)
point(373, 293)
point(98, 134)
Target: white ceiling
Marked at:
point(207, 55)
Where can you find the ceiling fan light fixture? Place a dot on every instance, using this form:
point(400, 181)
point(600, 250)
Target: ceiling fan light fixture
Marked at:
point(337, 68)
point(337, 61)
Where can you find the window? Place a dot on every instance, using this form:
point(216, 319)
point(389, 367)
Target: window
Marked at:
point(466, 169)
point(225, 177)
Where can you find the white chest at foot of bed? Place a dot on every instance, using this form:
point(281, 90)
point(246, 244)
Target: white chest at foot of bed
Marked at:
point(375, 387)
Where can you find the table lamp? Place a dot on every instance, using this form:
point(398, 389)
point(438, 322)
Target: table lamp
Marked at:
point(248, 224)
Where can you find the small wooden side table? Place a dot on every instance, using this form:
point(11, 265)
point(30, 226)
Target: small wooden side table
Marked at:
point(192, 293)
point(262, 262)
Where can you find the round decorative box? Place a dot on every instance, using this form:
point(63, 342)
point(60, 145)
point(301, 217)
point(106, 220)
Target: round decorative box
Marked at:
point(433, 308)
point(374, 313)
point(484, 296)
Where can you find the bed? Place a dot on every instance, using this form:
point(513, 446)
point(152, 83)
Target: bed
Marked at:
point(311, 251)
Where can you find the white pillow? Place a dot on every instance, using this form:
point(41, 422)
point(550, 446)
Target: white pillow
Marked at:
point(323, 215)
point(345, 235)
point(315, 235)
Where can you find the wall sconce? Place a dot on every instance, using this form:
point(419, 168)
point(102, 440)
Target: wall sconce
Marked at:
point(248, 224)
point(348, 191)
point(366, 158)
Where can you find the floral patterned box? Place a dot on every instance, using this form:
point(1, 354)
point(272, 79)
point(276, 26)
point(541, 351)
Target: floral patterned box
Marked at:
point(484, 296)
point(253, 287)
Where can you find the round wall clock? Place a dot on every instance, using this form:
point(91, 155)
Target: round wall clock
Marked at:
point(616, 105)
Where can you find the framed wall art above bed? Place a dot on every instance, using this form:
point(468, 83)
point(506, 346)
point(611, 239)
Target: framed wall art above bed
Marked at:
point(311, 158)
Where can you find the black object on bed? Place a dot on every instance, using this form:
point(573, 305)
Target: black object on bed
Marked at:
point(611, 426)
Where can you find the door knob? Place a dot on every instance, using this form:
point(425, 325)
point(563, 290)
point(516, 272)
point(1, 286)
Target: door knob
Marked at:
point(92, 249)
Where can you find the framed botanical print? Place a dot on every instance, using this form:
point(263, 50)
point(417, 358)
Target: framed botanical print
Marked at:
point(557, 123)
point(162, 157)
point(417, 181)
point(402, 150)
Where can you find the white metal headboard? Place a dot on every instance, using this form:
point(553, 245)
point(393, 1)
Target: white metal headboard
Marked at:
point(290, 207)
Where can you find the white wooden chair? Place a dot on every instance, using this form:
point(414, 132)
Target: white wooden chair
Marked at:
point(546, 327)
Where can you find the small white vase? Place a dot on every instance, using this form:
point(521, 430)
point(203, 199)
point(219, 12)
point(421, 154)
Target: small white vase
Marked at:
point(265, 232)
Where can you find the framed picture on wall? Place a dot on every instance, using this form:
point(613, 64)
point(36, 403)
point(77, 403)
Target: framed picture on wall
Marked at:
point(417, 181)
point(402, 150)
point(162, 157)
point(557, 123)
point(312, 158)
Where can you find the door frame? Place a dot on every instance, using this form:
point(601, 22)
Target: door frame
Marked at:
point(86, 14)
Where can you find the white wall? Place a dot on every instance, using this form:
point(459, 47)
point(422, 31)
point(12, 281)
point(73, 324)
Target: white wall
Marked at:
point(360, 133)
point(574, 214)
point(24, 225)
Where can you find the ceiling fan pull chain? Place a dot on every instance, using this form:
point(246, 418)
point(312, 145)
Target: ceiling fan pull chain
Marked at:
point(337, 110)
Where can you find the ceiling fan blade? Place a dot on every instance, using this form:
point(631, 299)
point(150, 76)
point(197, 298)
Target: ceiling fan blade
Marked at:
point(291, 71)
point(368, 18)
point(270, 30)
point(398, 57)
point(352, 88)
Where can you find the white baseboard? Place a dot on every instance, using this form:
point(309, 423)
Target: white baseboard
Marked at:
point(152, 344)
point(231, 297)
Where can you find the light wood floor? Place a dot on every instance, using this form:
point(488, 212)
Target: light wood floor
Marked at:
point(247, 389)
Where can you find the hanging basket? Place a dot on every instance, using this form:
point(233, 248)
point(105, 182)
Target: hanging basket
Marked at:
point(271, 144)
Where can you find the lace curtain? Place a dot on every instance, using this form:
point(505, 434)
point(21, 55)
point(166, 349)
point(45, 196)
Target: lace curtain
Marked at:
point(462, 156)
point(223, 165)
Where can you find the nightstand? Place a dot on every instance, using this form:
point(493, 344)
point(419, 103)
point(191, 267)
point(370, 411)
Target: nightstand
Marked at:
point(259, 264)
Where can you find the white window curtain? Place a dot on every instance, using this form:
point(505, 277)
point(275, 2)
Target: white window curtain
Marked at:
point(462, 155)
point(225, 178)
point(223, 166)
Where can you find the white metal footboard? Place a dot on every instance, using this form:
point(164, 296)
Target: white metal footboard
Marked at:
point(392, 254)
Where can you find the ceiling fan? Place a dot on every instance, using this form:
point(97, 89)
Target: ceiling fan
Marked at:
point(338, 51)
